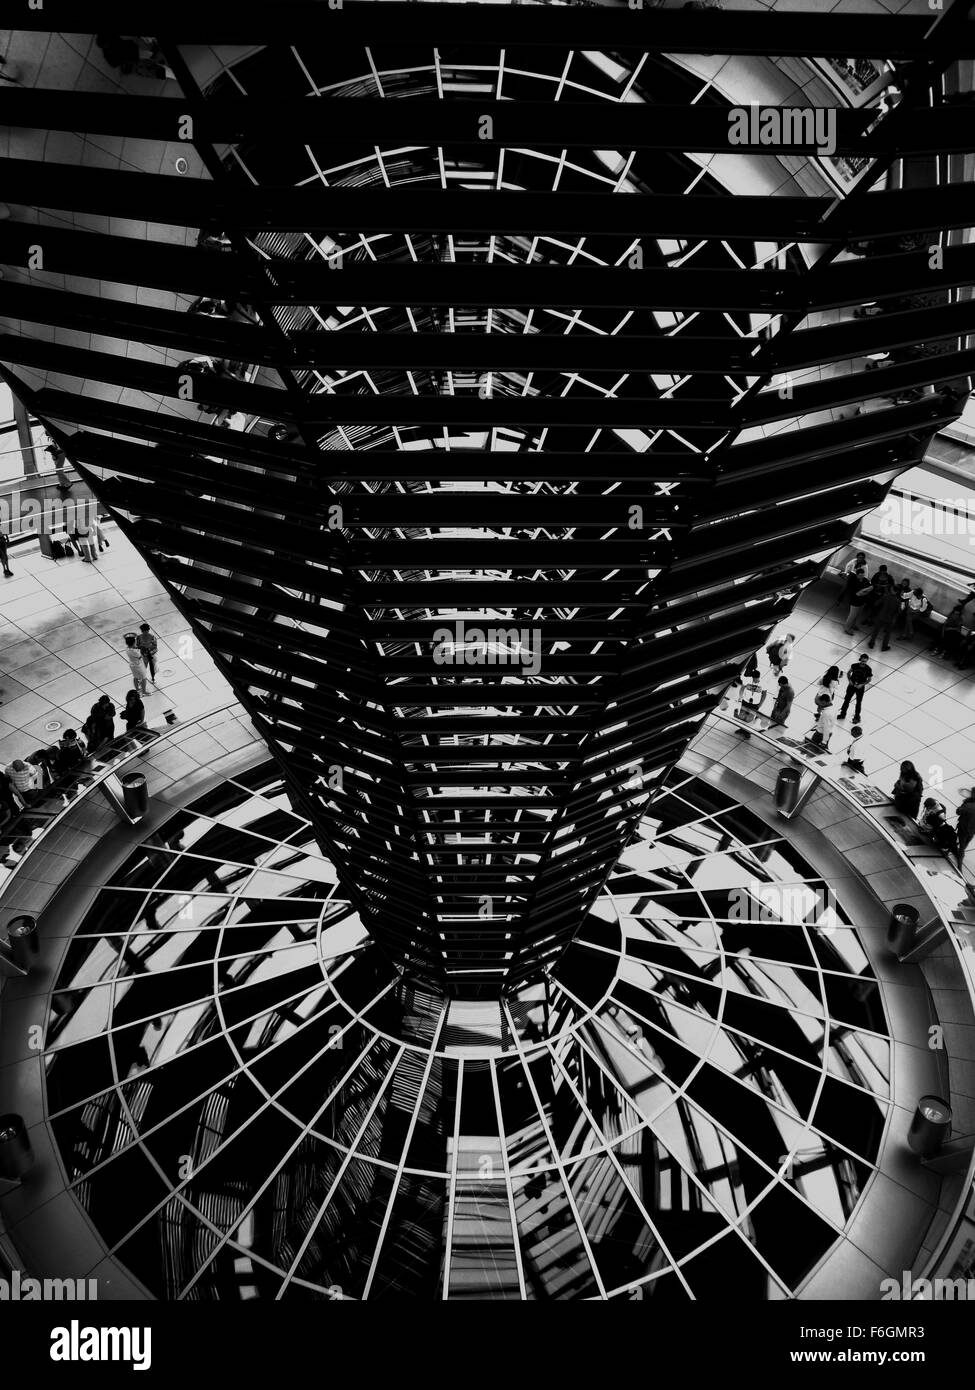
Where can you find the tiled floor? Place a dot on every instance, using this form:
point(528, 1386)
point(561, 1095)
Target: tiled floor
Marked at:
point(61, 629)
point(918, 706)
point(61, 646)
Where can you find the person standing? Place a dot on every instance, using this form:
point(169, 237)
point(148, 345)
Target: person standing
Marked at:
point(825, 723)
point(782, 705)
point(24, 779)
point(4, 557)
point(885, 617)
point(966, 825)
point(827, 685)
point(915, 607)
point(949, 639)
point(106, 718)
point(854, 753)
point(92, 728)
point(881, 582)
point(148, 646)
point(908, 789)
point(85, 540)
point(71, 752)
point(854, 576)
point(6, 795)
point(134, 711)
point(136, 664)
point(858, 601)
point(858, 677)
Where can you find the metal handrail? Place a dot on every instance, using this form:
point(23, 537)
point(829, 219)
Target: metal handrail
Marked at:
point(968, 1186)
point(87, 782)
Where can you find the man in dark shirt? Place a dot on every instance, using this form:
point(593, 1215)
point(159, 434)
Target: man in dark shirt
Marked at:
point(858, 677)
point(885, 616)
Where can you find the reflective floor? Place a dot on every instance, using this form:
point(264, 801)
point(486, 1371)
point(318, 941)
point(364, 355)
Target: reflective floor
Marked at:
point(919, 706)
point(250, 1103)
point(61, 645)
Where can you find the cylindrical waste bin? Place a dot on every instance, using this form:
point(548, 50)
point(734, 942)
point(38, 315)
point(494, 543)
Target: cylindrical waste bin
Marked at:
point(135, 794)
point(930, 1126)
point(22, 935)
point(787, 789)
point(16, 1158)
point(902, 928)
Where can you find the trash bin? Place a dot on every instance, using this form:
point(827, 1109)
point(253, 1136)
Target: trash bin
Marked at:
point(902, 928)
point(787, 789)
point(22, 935)
point(16, 1158)
point(135, 794)
point(930, 1127)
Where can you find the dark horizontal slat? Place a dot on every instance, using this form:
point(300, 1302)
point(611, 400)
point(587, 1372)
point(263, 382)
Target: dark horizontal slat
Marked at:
point(665, 31)
point(178, 201)
point(460, 120)
point(193, 271)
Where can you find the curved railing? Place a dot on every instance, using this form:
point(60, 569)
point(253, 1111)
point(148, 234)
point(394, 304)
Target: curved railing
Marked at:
point(29, 834)
point(19, 835)
point(951, 920)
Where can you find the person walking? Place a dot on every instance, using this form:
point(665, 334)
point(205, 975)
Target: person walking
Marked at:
point(779, 653)
point(134, 711)
point(966, 825)
point(885, 617)
point(136, 664)
point(858, 601)
point(858, 677)
point(4, 557)
point(782, 704)
point(908, 789)
point(98, 528)
point(148, 646)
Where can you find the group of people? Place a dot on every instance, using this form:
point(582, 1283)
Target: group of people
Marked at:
point(25, 780)
point(141, 649)
point(908, 790)
point(956, 640)
point(87, 540)
point(779, 653)
point(932, 818)
point(887, 607)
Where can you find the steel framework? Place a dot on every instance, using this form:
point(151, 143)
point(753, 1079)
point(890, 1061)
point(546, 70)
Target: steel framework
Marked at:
point(491, 542)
